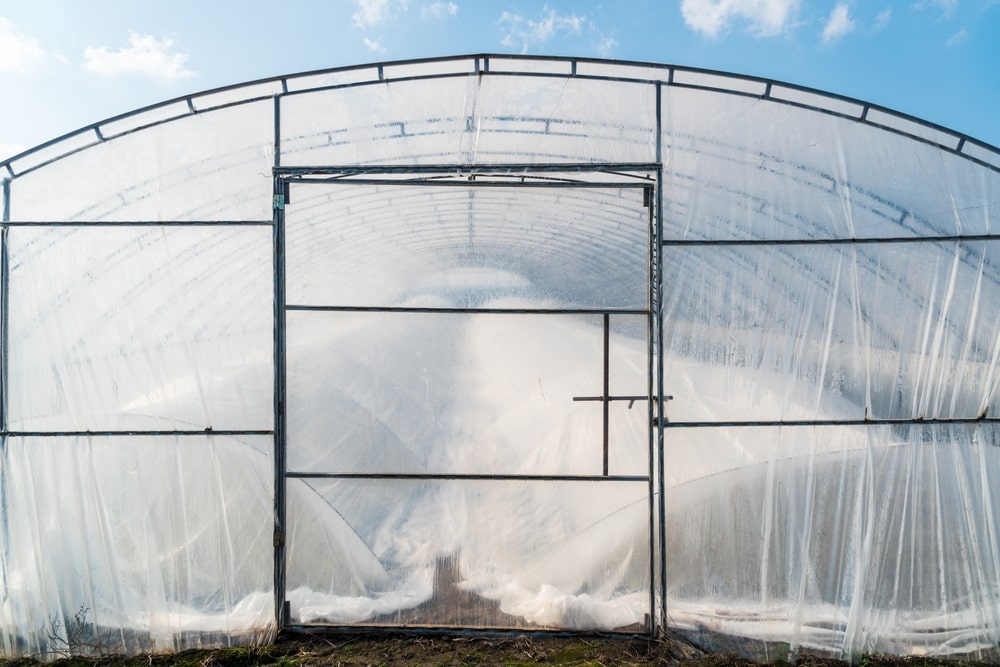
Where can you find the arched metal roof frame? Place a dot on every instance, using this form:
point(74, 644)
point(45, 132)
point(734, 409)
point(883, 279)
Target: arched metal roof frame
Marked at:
point(512, 65)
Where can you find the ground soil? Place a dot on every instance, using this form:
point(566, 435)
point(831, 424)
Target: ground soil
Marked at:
point(438, 651)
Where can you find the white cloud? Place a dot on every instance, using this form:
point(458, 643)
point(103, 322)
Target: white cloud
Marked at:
point(529, 33)
point(766, 18)
point(605, 46)
point(439, 10)
point(17, 52)
point(839, 24)
point(10, 150)
point(883, 18)
point(957, 38)
point(373, 46)
point(368, 13)
point(145, 55)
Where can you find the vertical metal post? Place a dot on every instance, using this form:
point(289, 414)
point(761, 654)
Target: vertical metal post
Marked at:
point(6, 200)
point(651, 413)
point(607, 385)
point(4, 324)
point(656, 313)
point(278, 239)
point(4, 328)
point(277, 129)
point(4, 310)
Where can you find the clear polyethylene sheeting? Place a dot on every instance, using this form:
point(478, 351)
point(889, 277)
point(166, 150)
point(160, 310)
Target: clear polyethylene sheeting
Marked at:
point(878, 539)
point(122, 544)
point(382, 346)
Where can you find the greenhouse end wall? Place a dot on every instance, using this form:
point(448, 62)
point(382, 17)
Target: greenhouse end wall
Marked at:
point(498, 342)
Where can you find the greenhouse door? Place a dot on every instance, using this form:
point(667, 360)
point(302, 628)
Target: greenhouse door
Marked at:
point(463, 428)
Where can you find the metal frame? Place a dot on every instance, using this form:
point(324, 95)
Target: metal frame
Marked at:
point(481, 64)
point(661, 77)
point(639, 175)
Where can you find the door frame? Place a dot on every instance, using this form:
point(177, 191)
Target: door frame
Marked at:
point(648, 176)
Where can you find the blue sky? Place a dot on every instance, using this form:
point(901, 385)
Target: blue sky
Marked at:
point(68, 63)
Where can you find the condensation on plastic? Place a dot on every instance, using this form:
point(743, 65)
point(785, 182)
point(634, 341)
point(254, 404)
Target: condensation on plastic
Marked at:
point(501, 554)
point(141, 327)
point(874, 538)
point(121, 544)
point(215, 165)
point(838, 539)
point(394, 245)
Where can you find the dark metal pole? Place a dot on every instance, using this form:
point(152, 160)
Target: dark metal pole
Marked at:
point(656, 315)
point(278, 236)
point(4, 309)
point(659, 423)
point(607, 385)
point(4, 329)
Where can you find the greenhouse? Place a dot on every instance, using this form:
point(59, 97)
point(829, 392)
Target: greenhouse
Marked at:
point(502, 343)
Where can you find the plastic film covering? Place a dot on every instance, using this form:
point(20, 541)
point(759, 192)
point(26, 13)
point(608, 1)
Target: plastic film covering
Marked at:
point(877, 538)
point(209, 166)
point(832, 332)
point(836, 537)
point(463, 394)
point(376, 350)
point(472, 119)
point(449, 246)
point(744, 168)
point(529, 554)
point(139, 327)
point(121, 544)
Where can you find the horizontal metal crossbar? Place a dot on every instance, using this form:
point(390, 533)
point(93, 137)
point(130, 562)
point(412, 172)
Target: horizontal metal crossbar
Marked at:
point(834, 241)
point(471, 311)
point(828, 422)
point(438, 630)
point(113, 433)
point(471, 182)
point(611, 399)
point(139, 223)
point(623, 168)
point(466, 477)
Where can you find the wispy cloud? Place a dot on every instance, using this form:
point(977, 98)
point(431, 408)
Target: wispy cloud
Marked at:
point(145, 55)
point(957, 38)
point(605, 46)
point(17, 52)
point(531, 33)
point(839, 24)
point(883, 18)
point(373, 46)
point(369, 13)
point(439, 10)
point(765, 18)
